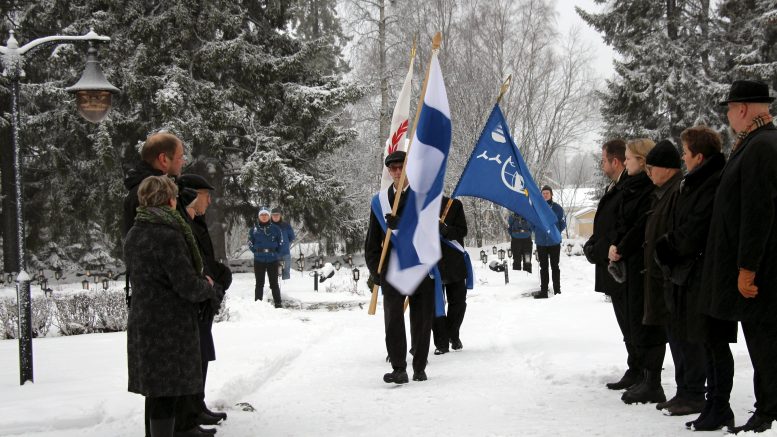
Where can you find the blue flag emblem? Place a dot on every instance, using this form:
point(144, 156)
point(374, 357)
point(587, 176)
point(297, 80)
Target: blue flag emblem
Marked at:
point(497, 172)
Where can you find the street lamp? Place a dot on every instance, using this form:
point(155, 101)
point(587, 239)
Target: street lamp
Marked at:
point(93, 105)
point(509, 253)
point(85, 284)
point(501, 254)
point(338, 264)
point(356, 274)
point(105, 283)
point(493, 250)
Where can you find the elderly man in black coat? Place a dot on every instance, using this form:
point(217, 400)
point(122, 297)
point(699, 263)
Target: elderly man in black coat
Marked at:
point(597, 247)
point(163, 346)
point(196, 199)
point(740, 272)
point(453, 269)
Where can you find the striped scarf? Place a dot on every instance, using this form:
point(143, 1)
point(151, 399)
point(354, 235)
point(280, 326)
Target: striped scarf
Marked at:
point(759, 121)
point(168, 216)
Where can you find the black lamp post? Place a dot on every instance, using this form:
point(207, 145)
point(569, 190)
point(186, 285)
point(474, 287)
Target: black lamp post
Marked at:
point(501, 253)
point(509, 253)
point(349, 260)
point(356, 274)
point(85, 284)
point(58, 274)
point(301, 262)
point(493, 250)
point(44, 284)
point(105, 283)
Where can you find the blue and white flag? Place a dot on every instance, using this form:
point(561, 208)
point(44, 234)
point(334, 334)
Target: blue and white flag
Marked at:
point(497, 172)
point(417, 241)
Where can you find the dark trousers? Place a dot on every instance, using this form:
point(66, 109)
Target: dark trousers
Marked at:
point(201, 397)
point(720, 372)
point(446, 328)
point(553, 253)
point(421, 317)
point(159, 408)
point(619, 308)
point(689, 367)
point(761, 339)
point(271, 269)
point(521, 248)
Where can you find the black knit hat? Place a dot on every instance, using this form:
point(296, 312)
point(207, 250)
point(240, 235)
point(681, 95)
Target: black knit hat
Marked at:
point(751, 91)
point(664, 154)
point(398, 156)
point(547, 188)
point(276, 211)
point(194, 181)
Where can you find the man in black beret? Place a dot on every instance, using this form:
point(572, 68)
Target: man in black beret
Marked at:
point(196, 197)
point(421, 301)
point(740, 266)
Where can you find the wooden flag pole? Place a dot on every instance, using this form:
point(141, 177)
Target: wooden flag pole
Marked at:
point(502, 91)
point(398, 190)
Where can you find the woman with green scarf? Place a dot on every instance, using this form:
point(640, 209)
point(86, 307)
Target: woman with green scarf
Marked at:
point(163, 349)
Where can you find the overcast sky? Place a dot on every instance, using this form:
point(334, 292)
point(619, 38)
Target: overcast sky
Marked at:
point(568, 18)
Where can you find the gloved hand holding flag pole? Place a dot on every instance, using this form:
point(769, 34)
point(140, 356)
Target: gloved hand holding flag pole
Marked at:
point(412, 257)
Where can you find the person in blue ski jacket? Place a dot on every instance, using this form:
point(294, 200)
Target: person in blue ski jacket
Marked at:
point(288, 238)
point(548, 250)
point(520, 241)
point(265, 240)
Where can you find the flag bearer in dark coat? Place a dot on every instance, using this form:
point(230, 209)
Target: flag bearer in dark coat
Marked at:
point(163, 349)
point(649, 341)
point(196, 206)
point(740, 268)
point(265, 240)
point(548, 251)
point(681, 254)
point(663, 168)
point(421, 302)
point(520, 241)
point(597, 249)
point(453, 269)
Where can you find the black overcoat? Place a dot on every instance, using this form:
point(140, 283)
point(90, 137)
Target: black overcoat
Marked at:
point(630, 239)
point(604, 235)
point(163, 345)
point(452, 265)
point(681, 250)
point(743, 231)
point(657, 224)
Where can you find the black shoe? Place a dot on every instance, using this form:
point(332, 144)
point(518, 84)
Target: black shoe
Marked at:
point(207, 431)
point(456, 344)
point(756, 423)
point(439, 351)
point(541, 295)
point(628, 379)
point(204, 418)
point(277, 305)
point(661, 405)
point(197, 431)
point(718, 417)
point(648, 392)
point(397, 377)
point(704, 413)
point(419, 376)
point(685, 407)
point(556, 291)
point(220, 414)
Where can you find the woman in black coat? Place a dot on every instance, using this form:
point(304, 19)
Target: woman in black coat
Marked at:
point(163, 345)
point(649, 340)
point(681, 254)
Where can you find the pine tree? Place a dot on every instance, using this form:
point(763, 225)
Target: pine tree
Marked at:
point(254, 106)
point(750, 39)
point(665, 79)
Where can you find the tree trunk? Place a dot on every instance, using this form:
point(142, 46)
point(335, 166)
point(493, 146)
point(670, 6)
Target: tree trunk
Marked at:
point(384, 97)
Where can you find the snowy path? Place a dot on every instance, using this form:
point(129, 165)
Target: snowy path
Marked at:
point(528, 368)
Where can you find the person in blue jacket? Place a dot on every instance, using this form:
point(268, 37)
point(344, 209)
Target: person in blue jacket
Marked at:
point(288, 237)
point(546, 249)
point(520, 241)
point(265, 240)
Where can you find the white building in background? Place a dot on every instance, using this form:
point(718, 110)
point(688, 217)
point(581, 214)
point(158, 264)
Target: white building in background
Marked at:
point(579, 205)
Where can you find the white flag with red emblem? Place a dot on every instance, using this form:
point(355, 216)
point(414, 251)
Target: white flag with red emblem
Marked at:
point(399, 124)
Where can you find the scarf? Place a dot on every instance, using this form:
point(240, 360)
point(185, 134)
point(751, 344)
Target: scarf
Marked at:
point(168, 216)
point(759, 121)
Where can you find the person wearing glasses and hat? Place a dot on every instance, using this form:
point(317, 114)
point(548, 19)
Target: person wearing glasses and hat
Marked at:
point(740, 269)
point(265, 240)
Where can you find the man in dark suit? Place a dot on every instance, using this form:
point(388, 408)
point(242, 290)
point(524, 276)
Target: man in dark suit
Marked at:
point(740, 269)
point(597, 246)
point(453, 270)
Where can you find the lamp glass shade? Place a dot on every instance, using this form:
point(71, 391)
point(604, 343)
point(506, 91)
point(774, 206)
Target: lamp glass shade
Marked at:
point(93, 105)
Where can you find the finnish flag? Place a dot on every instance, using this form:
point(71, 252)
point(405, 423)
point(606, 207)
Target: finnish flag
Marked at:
point(416, 248)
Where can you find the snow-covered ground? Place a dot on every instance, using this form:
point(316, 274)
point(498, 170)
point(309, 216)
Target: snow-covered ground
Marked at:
point(528, 368)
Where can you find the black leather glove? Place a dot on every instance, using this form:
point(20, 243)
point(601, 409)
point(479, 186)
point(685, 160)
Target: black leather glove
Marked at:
point(443, 230)
point(392, 221)
point(588, 250)
point(372, 281)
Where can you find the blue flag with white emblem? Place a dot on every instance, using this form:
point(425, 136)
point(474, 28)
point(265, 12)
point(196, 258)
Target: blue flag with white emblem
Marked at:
point(497, 172)
point(416, 246)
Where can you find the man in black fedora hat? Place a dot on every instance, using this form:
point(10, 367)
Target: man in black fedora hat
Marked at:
point(740, 268)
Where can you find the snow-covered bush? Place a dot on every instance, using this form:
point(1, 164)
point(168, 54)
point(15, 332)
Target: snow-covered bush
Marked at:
point(41, 312)
point(110, 308)
point(74, 314)
point(9, 318)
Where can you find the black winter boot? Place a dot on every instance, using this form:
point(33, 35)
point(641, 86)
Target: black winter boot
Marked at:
point(397, 377)
point(704, 412)
point(220, 414)
point(162, 427)
point(649, 391)
point(197, 431)
point(719, 415)
point(631, 377)
point(542, 294)
point(756, 423)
